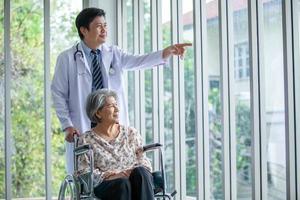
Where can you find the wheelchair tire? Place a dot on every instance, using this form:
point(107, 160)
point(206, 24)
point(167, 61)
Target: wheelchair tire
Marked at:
point(69, 190)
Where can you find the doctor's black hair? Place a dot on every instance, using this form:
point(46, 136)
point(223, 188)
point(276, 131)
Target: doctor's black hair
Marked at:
point(86, 16)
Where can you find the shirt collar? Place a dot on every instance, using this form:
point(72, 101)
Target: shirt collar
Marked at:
point(87, 50)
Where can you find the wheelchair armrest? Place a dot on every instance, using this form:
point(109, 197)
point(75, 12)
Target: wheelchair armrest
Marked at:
point(82, 149)
point(151, 147)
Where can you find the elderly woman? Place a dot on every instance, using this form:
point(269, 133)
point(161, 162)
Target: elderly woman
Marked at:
point(121, 171)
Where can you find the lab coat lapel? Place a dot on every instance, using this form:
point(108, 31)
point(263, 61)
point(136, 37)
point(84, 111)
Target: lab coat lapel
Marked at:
point(107, 55)
point(83, 60)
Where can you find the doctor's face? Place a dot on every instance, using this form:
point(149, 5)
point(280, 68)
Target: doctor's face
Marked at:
point(97, 32)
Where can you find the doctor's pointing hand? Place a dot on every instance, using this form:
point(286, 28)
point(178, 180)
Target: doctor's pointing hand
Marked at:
point(176, 49)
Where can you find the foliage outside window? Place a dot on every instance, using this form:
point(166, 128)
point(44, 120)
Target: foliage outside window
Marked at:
point(27, 97)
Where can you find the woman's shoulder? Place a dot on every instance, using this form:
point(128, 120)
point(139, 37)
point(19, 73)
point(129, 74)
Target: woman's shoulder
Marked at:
point(132, 130)
point(128, 129)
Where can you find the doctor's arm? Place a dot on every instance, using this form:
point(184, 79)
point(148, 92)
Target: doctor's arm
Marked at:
point(133, 62)
point(60, 90)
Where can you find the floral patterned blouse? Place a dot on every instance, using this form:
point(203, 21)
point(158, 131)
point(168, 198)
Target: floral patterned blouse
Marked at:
point(119, 154)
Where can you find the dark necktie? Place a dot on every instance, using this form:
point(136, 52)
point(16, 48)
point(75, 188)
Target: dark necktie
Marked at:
point(96, 67)
point(97, 75)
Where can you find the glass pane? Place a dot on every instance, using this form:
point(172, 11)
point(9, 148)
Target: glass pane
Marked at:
point(215, 115)
point(2, 150)
point(189, 87)
point(241, 88)
point(274, 99)
point(62, 17)
point(168, 101)
point(148, 73)
point(129, 36)
point(27, 103)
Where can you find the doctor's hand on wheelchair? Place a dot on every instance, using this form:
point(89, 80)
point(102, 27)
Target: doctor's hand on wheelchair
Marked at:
point(70, 132)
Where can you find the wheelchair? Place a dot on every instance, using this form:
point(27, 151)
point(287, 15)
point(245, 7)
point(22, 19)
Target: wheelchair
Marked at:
point(78, 186)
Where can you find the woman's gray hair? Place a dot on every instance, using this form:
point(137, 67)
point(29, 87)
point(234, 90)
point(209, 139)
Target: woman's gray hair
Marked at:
point(96, 100)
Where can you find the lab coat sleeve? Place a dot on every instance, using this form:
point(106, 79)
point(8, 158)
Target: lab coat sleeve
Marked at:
point(60, 91)
point(133, 62)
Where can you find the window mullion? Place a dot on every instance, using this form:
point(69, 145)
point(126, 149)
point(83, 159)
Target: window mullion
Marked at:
point(289, 100)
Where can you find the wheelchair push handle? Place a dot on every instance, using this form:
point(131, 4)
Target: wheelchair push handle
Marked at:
point(82, 149)
point(150, 147)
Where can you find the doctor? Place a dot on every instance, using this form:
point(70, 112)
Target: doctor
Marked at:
point(76, 69)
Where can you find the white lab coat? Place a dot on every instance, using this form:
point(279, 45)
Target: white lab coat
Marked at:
point(72, 83)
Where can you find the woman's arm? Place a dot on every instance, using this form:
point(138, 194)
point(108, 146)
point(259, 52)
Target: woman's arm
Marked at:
point(136, 140)
point(84, 165)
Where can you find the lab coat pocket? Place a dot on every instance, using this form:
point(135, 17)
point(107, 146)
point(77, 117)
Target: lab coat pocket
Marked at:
point(115, 79)
point(82, 71)
point(84, 77)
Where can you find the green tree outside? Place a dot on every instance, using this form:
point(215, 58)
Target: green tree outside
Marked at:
point(27, 98)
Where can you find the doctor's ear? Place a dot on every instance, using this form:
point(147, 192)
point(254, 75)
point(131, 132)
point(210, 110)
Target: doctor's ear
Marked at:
point(83, 30)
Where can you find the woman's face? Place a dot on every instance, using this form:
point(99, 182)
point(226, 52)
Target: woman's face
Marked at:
point(110, 112)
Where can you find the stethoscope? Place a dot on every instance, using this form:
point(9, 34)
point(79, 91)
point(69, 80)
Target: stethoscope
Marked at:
point(80, 53)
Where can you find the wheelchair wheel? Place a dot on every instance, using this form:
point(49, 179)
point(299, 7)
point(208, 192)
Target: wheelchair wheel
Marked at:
point(69, 189)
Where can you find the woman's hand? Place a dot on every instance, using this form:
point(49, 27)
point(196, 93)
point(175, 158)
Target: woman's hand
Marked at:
point(114, 175)
point(127, 172)
point(139, 152)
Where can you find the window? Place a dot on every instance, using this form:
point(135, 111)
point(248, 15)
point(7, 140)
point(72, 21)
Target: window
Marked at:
point(62, 17)
point(241, 94)
point(2, 150)
point(176, 92)
point(189, 101)
point(214, 98)
point(272, 75)
point(242, 101)
point(27, 51)
point(129, 47)
point(241, 60)
point(168, 101)
point(148, 88)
